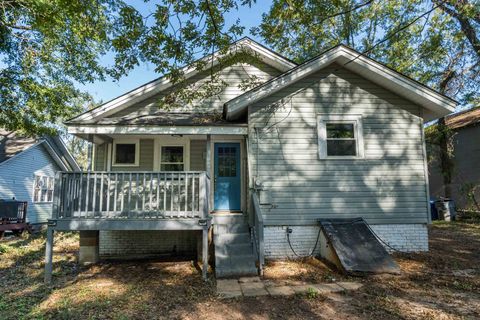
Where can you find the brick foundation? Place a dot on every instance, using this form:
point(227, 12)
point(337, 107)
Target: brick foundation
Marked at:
point(403, 237)
point(140, 244)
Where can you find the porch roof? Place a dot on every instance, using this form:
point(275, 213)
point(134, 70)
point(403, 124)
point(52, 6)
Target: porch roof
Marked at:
point(163, 118)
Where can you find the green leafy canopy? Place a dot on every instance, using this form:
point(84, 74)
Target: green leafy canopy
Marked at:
point(48, 46)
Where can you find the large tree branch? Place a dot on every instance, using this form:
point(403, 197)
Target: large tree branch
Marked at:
point(467, 28)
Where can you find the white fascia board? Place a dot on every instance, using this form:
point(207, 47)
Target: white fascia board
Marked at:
point(55, 156)
point(237, 106)
point(395, 82)
point(155, 130)
point(437, 104)
point(161, 84)
point(270, 57)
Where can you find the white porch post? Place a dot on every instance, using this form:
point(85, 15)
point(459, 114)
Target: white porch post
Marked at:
point(208, 167)
point(48, 256)
point(205, 252)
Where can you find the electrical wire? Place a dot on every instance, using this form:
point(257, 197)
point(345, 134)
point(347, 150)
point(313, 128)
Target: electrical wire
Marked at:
point(313, 250)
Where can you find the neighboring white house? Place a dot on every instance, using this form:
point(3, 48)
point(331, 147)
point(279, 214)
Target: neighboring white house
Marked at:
point(27, 171)
point(339, 136)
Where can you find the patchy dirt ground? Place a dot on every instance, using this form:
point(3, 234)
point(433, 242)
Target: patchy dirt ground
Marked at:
point(441, 284)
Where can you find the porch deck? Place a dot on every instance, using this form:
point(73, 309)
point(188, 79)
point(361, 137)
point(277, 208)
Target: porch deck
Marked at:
point(133, 200)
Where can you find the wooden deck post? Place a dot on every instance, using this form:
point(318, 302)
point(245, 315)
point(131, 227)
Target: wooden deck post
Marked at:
point(49, 256)
point(205, 252)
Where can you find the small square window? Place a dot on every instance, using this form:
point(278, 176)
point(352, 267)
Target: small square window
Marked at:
point(126, 153)
point(340, 136)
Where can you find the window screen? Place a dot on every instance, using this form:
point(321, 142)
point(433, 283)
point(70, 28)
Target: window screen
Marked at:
point(172, 158)
point(341, 140)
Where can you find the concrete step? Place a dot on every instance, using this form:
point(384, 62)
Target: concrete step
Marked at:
point(233, 250)
point(231, 228)
point(236, 249)
point(236, 268)
point(230, 219)
point(232, 238)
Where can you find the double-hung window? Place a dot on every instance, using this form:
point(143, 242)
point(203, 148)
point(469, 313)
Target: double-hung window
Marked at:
point(172, 158)
point(340, 136)
point(43, 188)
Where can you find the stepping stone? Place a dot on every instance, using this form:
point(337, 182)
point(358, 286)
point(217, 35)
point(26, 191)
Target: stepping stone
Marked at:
point(253, 289)
point(350, 285)
point(249, 279)
point(304, 288)
point(230, 294)
point(280, 291)
point(328, 287)
point(228, 288)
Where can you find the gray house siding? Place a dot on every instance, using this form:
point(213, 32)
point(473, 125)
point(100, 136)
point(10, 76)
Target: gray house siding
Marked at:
point(233, 76)
point(17, 176)
point(387, 186)
point(466, 161)
point(197, 154)
point(99, 157)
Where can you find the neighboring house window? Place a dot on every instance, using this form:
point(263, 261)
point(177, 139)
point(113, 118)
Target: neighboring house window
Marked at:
point(172, 158)
point(43, 189)
point(126, 153)
point(340, 136)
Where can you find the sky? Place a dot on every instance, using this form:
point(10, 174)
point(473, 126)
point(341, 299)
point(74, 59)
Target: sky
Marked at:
point(103, 91)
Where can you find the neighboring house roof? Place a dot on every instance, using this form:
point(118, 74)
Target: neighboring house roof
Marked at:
point(435, 104)
point(463, 119)
point(158, 85)
point(12, 144)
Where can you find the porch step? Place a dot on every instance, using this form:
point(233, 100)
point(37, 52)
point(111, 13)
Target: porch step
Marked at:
point(233, 250)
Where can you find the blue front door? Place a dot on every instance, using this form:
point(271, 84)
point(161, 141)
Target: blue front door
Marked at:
point(227, 182)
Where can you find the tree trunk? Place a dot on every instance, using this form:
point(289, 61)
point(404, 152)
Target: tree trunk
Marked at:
point(445, 159)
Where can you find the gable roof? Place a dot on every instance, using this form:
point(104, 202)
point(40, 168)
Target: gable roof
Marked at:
point(463, 119)
point(149, 89)
point(434, 103)
point(13, 144)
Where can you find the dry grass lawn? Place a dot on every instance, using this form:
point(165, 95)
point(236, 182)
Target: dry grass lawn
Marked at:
point(441, 284)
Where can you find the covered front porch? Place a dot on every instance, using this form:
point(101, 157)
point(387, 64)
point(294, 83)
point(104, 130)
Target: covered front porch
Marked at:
point(150, 187)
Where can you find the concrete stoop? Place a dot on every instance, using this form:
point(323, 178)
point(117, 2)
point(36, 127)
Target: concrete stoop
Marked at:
point(234, 255)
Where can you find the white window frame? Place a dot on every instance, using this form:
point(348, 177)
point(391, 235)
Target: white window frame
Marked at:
point(354, 119)
point(136, 142)
point(42, 176)
point(173, 145)
point(169, 141)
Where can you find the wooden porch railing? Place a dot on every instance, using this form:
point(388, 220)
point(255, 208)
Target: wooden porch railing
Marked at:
point(131, 195)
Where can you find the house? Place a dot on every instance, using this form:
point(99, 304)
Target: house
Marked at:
point(339, 136)
point(27, 171)
point(465, 142)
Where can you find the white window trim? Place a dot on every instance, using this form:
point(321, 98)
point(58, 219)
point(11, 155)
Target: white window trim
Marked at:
point(341, 118)
point(172, 145)
point(33, 186)
point(168, 141)
point(136, 142)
